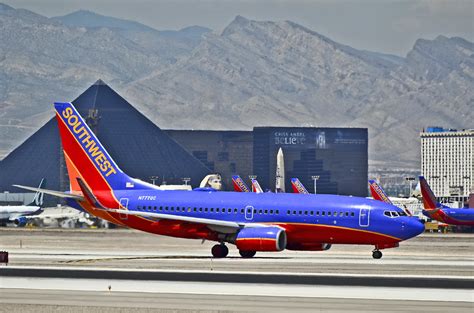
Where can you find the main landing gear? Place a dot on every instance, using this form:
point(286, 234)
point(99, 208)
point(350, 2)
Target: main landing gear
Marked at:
point(247, 254)
point(220, 251)
point(377, 254)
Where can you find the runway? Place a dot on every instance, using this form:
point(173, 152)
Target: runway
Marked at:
point(147, 273)
point(104, 301)
point(429, 254)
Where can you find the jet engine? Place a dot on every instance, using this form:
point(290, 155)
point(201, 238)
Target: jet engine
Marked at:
point(20, 221)
point(261, 239)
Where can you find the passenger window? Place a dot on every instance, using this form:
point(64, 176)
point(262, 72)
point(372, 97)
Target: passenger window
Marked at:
point(241, 211)
point(266, 211)
point(301, 212)
point(347, 213)
point(352, 214)
point(341, 213)
point(311, 213)
point(305, 212)
point(235, 211)
point(259, 211)
point(288, 212)
point(271, 211)
point(212, 209)
point(277, 211)
point(323, 213)
point(317, 213)
point(200, 209)
point(217, 210)
point(205, 209)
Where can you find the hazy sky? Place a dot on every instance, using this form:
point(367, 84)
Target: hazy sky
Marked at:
point(379, 25)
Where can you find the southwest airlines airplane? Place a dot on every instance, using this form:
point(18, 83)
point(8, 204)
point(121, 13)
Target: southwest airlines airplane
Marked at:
point(437, 211)
point(252, 221)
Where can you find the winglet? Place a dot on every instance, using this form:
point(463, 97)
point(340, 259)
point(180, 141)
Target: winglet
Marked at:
point(378, 193)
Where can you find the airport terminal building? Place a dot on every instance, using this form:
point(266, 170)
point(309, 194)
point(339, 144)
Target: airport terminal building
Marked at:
point(339, 156)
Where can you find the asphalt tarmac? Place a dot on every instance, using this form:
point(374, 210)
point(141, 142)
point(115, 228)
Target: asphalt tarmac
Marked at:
point(430, 256)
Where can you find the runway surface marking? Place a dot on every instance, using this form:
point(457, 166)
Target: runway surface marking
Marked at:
point(242, 289)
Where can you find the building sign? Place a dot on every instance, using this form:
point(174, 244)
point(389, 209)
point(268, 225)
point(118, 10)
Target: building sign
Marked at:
point(289, 138)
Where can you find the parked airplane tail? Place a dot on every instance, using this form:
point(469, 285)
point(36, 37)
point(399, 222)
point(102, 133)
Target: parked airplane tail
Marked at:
point(239, 184)
point(429, 199)
point(38, 199)
point(87, 159)
point(256, 186)
point(298, 187)
point(378, 193)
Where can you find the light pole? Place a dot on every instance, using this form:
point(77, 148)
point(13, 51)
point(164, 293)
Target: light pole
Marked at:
point(409, 180)
point(315, 179)
point(153, 179)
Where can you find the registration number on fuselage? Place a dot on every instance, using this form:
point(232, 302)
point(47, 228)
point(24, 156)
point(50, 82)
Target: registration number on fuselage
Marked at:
point(149, 198)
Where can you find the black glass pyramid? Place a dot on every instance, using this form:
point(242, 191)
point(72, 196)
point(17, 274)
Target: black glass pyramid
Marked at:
point(139, 147)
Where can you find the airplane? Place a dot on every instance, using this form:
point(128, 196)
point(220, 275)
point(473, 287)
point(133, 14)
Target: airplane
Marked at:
point(298, 186)
point(437, 211)
point(252, 222)
point(379, 194)
point(256, 186)
point(239, 184)
point(18, 214)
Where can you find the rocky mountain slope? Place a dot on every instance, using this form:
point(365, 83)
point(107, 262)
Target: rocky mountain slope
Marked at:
point(250, 74)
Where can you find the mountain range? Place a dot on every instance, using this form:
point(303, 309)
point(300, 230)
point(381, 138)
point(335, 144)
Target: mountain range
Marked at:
point(253, 73)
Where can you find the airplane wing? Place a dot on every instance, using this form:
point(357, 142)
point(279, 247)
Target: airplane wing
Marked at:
point(198, 220)
point(55, 193)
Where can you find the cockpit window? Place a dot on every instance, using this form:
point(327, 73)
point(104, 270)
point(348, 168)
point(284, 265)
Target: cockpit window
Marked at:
point(393, 214)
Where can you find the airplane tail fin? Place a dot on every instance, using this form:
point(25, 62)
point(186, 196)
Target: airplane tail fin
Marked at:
point(429, 199)
point(88, 160)
point(378, 193)
point(239, 184)
point(298, 186)
point(38, 199)
point(256, 186)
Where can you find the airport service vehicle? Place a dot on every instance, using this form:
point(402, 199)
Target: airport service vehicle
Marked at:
point(437, 211)
point(298, 186)
point(252, 221)
point(19, 214)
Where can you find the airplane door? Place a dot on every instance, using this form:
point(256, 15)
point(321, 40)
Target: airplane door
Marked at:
point(123, 205)
point(249, 212)
point(364, 217)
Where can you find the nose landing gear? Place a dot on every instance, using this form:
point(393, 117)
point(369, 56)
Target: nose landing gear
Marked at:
point(377, 254)
point(220, 251)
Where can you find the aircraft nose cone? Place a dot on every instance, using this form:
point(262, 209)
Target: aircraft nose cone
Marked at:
point(414, 227)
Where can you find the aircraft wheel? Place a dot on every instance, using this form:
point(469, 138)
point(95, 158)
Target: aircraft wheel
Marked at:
point(220, 251)
point(247, 254)
point(376, 254)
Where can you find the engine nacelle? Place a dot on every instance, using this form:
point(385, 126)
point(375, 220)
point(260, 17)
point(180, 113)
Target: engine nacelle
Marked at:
point(261, 239)
point(20, 221)
point(309, 246)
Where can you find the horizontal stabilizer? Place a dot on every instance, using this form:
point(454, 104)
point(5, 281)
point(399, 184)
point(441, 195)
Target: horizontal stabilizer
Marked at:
point(55, 193)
